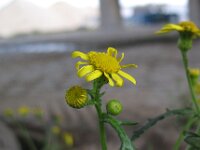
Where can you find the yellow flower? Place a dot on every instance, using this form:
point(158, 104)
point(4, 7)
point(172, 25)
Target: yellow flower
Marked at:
point(186, 26)
point(68, 139)
point(23, 111)
point(55, 130)
point(76, 97)
point(107, 64)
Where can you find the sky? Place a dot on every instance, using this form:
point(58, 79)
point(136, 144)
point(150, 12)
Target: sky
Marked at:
point(95, 3)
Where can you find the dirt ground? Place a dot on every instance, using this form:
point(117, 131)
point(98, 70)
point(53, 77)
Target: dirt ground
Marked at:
point(41, 80)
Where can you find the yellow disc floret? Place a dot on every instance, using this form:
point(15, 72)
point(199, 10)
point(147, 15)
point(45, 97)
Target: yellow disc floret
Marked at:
point(76, 97)
point(104, 62)
point(189, 26)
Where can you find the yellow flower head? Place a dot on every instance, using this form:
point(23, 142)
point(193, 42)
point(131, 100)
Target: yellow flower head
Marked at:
point(23, 111)
point(185, 26)
point(97, 64)
point(68, 139)
point(76, 97)
point(194, 72)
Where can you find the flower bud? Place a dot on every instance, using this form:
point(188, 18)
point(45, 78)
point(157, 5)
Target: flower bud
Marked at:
point(197, 88)
point(194, 75)
point(114, 107)
point(23, 111)
point(55, 130)
point(68, 139)
point(76, 97)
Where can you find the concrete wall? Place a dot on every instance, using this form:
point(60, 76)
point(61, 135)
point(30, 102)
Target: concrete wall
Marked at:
point(194, 11)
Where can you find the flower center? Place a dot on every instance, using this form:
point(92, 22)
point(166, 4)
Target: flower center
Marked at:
point(104, 62)
point(76, 92)
point(188, 26)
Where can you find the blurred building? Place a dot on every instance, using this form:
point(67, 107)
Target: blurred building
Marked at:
point(152, 14)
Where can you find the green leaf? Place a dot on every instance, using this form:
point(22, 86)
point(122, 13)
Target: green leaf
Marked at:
point(192, 139)
point(154, 121)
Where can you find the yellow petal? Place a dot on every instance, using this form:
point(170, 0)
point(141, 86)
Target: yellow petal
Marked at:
point(110, 81)
point(80, 54)
point(174, 27)
point(169, 28)
point(118, 79)
point(129, 65)
point(121, 58)
point(112, 51)
point(127, 76)
point(80, 63)
point(85, 70)
point(93, 75)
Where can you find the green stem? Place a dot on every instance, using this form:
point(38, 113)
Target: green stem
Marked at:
point(98, 83)
point(26, 135)
point(185, 62)
point(181, 135)
point(126, 143)
point(101, 128)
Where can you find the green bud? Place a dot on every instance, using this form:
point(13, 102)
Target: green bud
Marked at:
point(114, 107)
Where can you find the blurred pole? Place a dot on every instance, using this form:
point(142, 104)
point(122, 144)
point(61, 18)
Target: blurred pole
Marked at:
point(110, 14)
point(194, 11)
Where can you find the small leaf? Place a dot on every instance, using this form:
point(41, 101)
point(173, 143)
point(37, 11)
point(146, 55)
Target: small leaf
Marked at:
point(101, 94)
point(193, 139)
point(128, 123)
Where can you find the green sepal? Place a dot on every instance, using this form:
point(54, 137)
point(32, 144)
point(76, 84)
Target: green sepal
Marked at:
point(193, 140)
point(126, 143)
point(185, 41)
point(90, 102)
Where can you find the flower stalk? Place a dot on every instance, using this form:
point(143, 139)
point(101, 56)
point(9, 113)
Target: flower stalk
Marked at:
point(97, 84)
point(185, 63)
point(181, 135)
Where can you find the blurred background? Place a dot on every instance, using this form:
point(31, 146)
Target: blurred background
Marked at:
point(36, 41)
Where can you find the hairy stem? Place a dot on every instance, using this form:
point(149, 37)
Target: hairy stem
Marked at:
point(153, 121)
point(126, 143)
point(98, 83)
